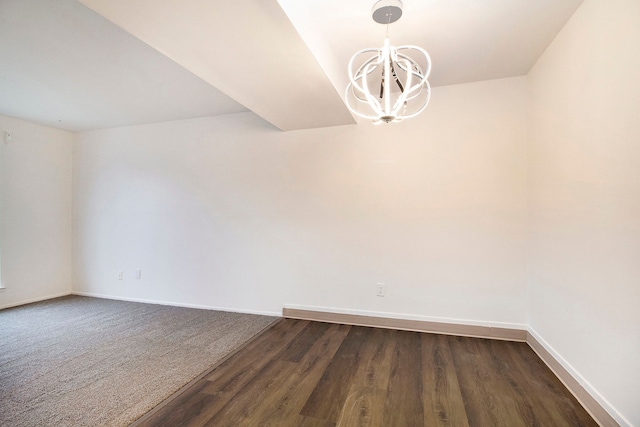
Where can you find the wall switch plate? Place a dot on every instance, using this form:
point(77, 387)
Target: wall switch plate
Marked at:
point(138, 274)
point(381, 289)
point(120, 275)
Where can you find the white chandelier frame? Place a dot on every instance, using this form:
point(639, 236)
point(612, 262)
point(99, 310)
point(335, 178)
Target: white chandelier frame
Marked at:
point(415, 88)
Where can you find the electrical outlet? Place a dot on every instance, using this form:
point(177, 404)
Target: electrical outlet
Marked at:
point(381, 289)
point(138, 274)
point(120, 275)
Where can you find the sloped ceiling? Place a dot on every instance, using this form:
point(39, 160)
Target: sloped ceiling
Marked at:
point(65, 66)
point(109, 63)
point(246, 48)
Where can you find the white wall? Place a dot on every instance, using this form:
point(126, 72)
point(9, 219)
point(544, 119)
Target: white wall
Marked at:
point(229, 212)
point(35, 225)
point(584, 151)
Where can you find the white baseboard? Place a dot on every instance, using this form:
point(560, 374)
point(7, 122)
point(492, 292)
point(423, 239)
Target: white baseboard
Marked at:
point(177, 304)
point(32, 300)
point(470, 328)
point(599, 408)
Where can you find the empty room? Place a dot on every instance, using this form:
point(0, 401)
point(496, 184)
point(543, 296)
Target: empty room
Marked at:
point(320, 213)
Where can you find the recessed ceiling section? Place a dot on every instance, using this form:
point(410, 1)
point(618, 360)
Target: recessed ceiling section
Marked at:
point(65, 66)
point(468, 40)
point(248, 49)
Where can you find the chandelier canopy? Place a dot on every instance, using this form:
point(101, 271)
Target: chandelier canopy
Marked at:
point(388, 84)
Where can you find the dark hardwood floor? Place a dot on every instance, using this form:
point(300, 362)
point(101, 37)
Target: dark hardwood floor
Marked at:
point(301, 373)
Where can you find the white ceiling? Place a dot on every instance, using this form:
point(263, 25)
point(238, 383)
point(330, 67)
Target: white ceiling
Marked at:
point(468, 40)
point(63, 65)
point(246, 48)
point(109, 63)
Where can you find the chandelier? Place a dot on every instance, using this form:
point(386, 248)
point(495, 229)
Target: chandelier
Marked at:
point(388, 85)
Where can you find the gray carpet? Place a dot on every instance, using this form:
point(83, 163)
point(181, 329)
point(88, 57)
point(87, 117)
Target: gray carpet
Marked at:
point(79, 361)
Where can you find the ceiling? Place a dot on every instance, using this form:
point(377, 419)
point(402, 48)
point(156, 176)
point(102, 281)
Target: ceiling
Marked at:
point(65, 66)
point(92, 64)
point(468, 40)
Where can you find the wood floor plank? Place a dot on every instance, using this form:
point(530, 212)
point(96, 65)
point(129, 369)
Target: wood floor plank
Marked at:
point(302, 421)
point(363, 407)
point(403, 405)
point(299, 346)
point(547, 390)
point(244, 404)
point(443, 404)
point(246, 380)
point(366, 397)
point(232, 375)
point(486, 398)
point(286, 402)
point(374, 367)
point(508, 376)
point(542, 405)
point(329, 396)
